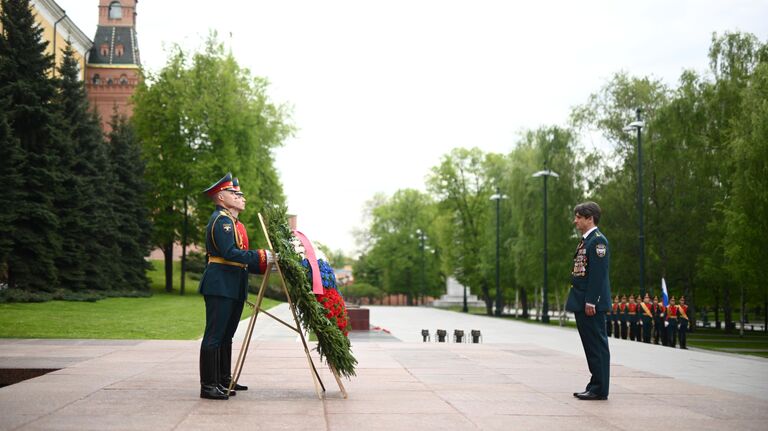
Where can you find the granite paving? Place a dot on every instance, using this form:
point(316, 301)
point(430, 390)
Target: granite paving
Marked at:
point(521, 377)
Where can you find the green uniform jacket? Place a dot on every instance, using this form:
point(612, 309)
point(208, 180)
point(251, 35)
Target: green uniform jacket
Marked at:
point(220, 240)
point(589, 279)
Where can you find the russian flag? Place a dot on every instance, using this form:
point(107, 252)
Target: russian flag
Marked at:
point(664, 294)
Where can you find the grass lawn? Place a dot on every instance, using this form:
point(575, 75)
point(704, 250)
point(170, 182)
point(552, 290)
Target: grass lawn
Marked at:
point(480, 311)
point(752, 343)
point(163, 316)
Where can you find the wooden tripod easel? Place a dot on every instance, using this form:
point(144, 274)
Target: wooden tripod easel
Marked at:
point(319, 387)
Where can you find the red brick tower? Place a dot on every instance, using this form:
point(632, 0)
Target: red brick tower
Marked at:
point(112, 71)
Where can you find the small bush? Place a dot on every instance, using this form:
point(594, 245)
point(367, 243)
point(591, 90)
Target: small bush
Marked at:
point(196, 263)
point(21, 295)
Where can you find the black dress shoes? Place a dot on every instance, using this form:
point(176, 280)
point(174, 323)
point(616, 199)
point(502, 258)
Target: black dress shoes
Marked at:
point(590, 396)
point(576, 394)
point(223, 389)
point(212, 392)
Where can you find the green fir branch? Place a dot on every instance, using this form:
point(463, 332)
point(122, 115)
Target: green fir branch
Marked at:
point(332, 345)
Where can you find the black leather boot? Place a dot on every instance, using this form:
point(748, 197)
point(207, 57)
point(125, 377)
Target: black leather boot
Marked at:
point(209, 375)
point(226, 368)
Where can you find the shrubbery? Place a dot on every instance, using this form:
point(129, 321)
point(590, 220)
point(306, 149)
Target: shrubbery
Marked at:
point(356, 292)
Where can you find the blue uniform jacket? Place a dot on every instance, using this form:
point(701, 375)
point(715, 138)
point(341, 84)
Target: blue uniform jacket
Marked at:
point(589, 279)
point(221, 240)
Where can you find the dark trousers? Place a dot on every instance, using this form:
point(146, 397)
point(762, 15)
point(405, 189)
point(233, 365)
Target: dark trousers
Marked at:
point(616, 330)
point(624, 330)
point(595, 342)
point(608, 326)
point(633, 334)
point(672, 333)
point(647, 326)
point(682, 332)
point(658, 329)
point(221, 318)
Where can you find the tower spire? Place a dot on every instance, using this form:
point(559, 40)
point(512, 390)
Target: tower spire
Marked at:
point(112, 71)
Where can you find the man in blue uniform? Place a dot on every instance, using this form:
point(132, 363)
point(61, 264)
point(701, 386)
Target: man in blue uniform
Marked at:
point(590, 298)
point(225, 286)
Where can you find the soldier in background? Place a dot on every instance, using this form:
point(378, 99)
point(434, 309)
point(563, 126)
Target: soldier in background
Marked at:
point(659, 314)
point(615, 317)
point(682, 311)
point(609, 321)
point(671, 323)
point(632, 318)
point(623, 313)
point(646, 318)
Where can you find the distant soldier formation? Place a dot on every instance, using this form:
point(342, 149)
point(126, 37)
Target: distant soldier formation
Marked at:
point(646, 321)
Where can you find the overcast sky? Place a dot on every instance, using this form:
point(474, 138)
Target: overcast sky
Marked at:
point(381, 90)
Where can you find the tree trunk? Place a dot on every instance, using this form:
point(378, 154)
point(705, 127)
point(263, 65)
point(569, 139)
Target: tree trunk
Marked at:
point(727, 309)
point(692, 305)
point(487, 298)
point(184, 248)
point(409, 293)
point(717, 308)
point(168, 255)
point(524, 302)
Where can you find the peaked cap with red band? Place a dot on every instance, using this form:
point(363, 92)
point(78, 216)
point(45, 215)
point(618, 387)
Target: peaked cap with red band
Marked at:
point(225, 183)
point(236, 186)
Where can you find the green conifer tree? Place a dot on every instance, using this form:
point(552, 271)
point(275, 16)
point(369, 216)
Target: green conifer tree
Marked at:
point(129, 192)
point(11, 162)
point(27, 91)
point(86, 217)
point(71, 103)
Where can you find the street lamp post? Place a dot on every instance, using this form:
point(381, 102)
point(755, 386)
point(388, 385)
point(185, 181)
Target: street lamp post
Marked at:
point(545, 302)
point(497, 197)
point(638, 125)
point(422, 238)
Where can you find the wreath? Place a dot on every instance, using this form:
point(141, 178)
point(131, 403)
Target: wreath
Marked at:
point(324, 315)
point(331, 299)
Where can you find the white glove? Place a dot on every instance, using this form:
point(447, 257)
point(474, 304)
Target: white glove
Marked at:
point(666, 323)
point(271, 258)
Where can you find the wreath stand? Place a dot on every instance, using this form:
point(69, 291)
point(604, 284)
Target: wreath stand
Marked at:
point(319, 387)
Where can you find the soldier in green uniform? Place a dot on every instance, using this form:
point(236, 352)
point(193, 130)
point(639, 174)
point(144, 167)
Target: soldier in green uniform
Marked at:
point(646, 318)
point(623, 317)
point(224, 285)
point(615, 316)
point(632, 318)
point(590, 299)
point(659, 313)
point(684, 321)
point(609, 321)
point(671, 323)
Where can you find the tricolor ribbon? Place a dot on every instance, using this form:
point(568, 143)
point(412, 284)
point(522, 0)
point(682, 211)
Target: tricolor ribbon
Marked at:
point(317, 282)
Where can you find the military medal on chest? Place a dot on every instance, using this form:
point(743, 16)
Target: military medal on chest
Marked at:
point(580, 261)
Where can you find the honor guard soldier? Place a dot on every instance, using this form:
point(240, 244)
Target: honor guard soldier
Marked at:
point(615, 317)
point(646, 318)
point(682, 313)
point(638, 326)
point(623, 316)
point(224, 286)
point(609, 322)
point(672, 312)
point(659, 312)
point(590, 299)
point(632, 318)
point(240, 226)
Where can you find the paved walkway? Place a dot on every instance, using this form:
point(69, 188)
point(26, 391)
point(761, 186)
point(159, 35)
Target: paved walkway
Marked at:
point(520, 378)
point(738, 373)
